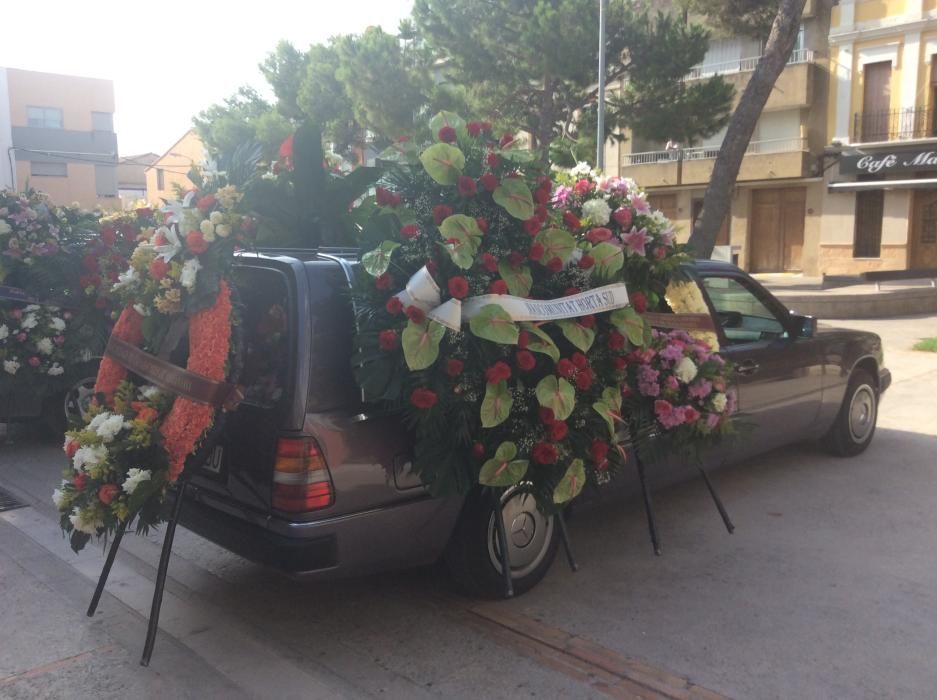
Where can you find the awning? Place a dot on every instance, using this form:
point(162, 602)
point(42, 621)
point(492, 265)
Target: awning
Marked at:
point(861, 185)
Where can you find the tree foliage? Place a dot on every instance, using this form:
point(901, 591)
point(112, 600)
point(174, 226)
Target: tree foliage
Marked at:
point(243, 117)
point(752, 18)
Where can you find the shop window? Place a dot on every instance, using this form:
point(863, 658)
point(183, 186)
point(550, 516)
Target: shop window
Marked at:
point(870, 208)
point(929, 224)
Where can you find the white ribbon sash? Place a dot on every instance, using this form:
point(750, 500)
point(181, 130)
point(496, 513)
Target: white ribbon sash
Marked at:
point(423, 292)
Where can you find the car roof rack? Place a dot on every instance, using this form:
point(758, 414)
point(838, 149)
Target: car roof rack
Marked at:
point(348, 252)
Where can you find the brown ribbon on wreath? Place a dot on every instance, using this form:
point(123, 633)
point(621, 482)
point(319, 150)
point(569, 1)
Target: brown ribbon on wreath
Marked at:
point(682, 322)
point(177, 380)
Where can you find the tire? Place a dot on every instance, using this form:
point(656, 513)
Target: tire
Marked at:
point(473, 556)
point(64, 409)
point(855, 424)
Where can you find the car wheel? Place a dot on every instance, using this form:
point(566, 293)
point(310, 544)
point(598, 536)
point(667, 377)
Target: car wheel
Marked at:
point(855, 425)
point(65, 409)
point(473, 557)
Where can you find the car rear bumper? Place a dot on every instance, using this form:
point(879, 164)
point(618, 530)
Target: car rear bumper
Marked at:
point(884, 379)
point(400, 535)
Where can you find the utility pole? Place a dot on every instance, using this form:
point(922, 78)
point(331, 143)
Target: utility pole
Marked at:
point(600, 138)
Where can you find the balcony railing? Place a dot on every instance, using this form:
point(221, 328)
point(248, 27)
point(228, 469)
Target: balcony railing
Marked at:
point(673, 155)
point(742, 65)
point(894, 125)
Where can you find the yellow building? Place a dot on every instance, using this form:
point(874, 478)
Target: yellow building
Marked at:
point(881, 211)
point(774, 223)
point(57, 136)
point(169, 172)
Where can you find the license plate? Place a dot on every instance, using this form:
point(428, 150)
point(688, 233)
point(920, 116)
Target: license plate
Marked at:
point(215, 460)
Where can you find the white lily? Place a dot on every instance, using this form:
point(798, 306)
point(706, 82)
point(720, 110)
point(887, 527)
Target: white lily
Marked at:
point(172, 246)
point(189, 272)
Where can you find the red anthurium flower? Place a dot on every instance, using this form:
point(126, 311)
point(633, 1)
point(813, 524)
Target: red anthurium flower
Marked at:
point(458, 287)
point(638, 301)
point(545, 453)
point(388, 340)
point(493, 160)
point(447, 134)
point(489, 262)
point(416, 314)
point(454, 367)
point(558, 431)
point(489, 180)
point(474, 129)
point(423, 398)
point(565, 368)
point(394, 306)
point(410, 231)
point(196, 242)
point(535, 252)
point(441, 212)
point(466, 186)
point(525, 360)
point(498, 287)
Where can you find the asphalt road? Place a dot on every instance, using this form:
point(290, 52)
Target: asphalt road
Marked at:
point(827, 589)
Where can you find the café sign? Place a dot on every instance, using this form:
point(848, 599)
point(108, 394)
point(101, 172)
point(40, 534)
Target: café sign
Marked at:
point(884, 162)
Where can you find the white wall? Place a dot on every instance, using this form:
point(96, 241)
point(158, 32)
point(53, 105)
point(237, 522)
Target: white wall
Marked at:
point(7, 178)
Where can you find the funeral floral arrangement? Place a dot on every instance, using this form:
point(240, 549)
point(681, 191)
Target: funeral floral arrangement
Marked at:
point(29, 228)
point(494, 315)
point(32, 342)
point(139, 433)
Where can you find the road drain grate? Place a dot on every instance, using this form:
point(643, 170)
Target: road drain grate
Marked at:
point(8, 501)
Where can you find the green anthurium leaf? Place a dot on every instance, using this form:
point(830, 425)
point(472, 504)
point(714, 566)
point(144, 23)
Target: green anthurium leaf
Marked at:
point(609, 259)
point(463, 228)
point(461, 254)
point(630, 323)
point(494, 323)
point(556, 243)
point(503, 469)
point(406, 152)
point(378, 260)
point(445, 118)
point(520, 156)
point(496, 406)
point(515, 197)
point(421, 343)
point(443, 163)
point(558, 395)
point(609, 407)
point(612, 395)
point(518, 279)
point(580, 336)
point(539, 341)
point(571, 483)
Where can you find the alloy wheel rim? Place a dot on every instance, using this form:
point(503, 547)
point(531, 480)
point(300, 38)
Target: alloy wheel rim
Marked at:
point(529, 533)
point(862, 413)
point(78, 399)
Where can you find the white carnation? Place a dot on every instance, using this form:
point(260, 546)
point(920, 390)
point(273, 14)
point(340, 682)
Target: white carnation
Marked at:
point(685, 370)
point(57, 323)
point(109, 428)
point(89, 456)
point(56, 369)
point(58, 498)
point(148, 391)
point(45, 346)
point(189, 272)
point(141, 309)
point(29, 321)
point(85, 522)
point(597, 211)
point(719, 402)
point(128, 278)
point(4, 332)
point(216, 217)
point(5, 228)
point(134, 477)
point(32, 307)
point(223, 230)
point(208, 230)
point(11, 366)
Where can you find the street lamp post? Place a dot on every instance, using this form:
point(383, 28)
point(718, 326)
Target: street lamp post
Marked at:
point(600, 137)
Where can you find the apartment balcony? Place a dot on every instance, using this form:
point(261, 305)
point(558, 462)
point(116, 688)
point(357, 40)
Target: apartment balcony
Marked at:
point(794, 87)
point(894, 125)
point(764, 160)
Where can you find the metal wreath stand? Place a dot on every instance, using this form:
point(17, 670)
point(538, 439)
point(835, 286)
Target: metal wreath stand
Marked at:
point(224, 396)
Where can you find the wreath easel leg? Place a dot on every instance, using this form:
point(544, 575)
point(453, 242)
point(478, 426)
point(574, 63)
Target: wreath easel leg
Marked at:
point(648, 507)
point(105, 572)
point(718, 501)
point(564, 536)
point(153, 625)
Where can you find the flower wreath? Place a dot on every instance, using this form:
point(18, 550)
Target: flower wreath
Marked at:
point(469, 234)
point(141, 431)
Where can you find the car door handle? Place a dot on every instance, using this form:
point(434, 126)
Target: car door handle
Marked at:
point(746, 367)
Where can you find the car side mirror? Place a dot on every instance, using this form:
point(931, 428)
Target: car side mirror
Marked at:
point(803, 326)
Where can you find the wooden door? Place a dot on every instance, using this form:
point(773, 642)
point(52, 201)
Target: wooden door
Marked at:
point(924, 230)
point(667, 203)
point(722, 238)
point(777, 229)
point(876, 101)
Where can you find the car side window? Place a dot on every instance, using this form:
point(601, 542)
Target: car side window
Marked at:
point(743, 316)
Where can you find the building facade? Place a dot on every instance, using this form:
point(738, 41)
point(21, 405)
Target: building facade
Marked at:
point(881, 210)
point(57, 135)
point(170, 171)
point(131, 178)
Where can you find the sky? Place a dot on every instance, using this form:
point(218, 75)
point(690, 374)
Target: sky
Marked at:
point(169, 61)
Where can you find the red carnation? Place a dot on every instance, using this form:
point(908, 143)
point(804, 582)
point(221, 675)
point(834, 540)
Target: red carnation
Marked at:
point(386, 198)
point(447, 134)
point(206, 202)
point(466, 186)
point(579, 360)
point(620, 363)
point(535, 252)
point(571, 220)
point(454, 367)
point(541, 196)
point(515, 259)
point(598, 450)
point(489, 181)
point(108, 235)
point(478, 450)
point(128, 232)
point(498, 287)
point(394, 306)
point(416, 314)
point(505, 140)
point(410, 231)
point(158, 268)
point(498, 372)
point(558, 431)
point(384, 281)
point(196, 242)
point(554, 265)
point(71, 447)
point(532, 226)
point(525, 360)
point(423, 398)
point(565, 368)
point(623, 217)
point(458, 287)
point(587, 321)
point(690, 414)
point(441, 212)
point(80, 481)
point(583, 187)
point(616, 341)
point(546, 415)
point(598, 234)
point(586, 262)
point(493, 160)
point(638, 301)
point(388, 340)
point(474, 129)
point(482, 224)
point(523, 340)
point(489, 262)
point(108, 493)
point(584, 379)
point(545, 453)
point(542, 214)
point(660, 252)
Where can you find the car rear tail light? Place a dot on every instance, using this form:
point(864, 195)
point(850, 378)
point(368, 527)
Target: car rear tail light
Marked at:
point(301, 479)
